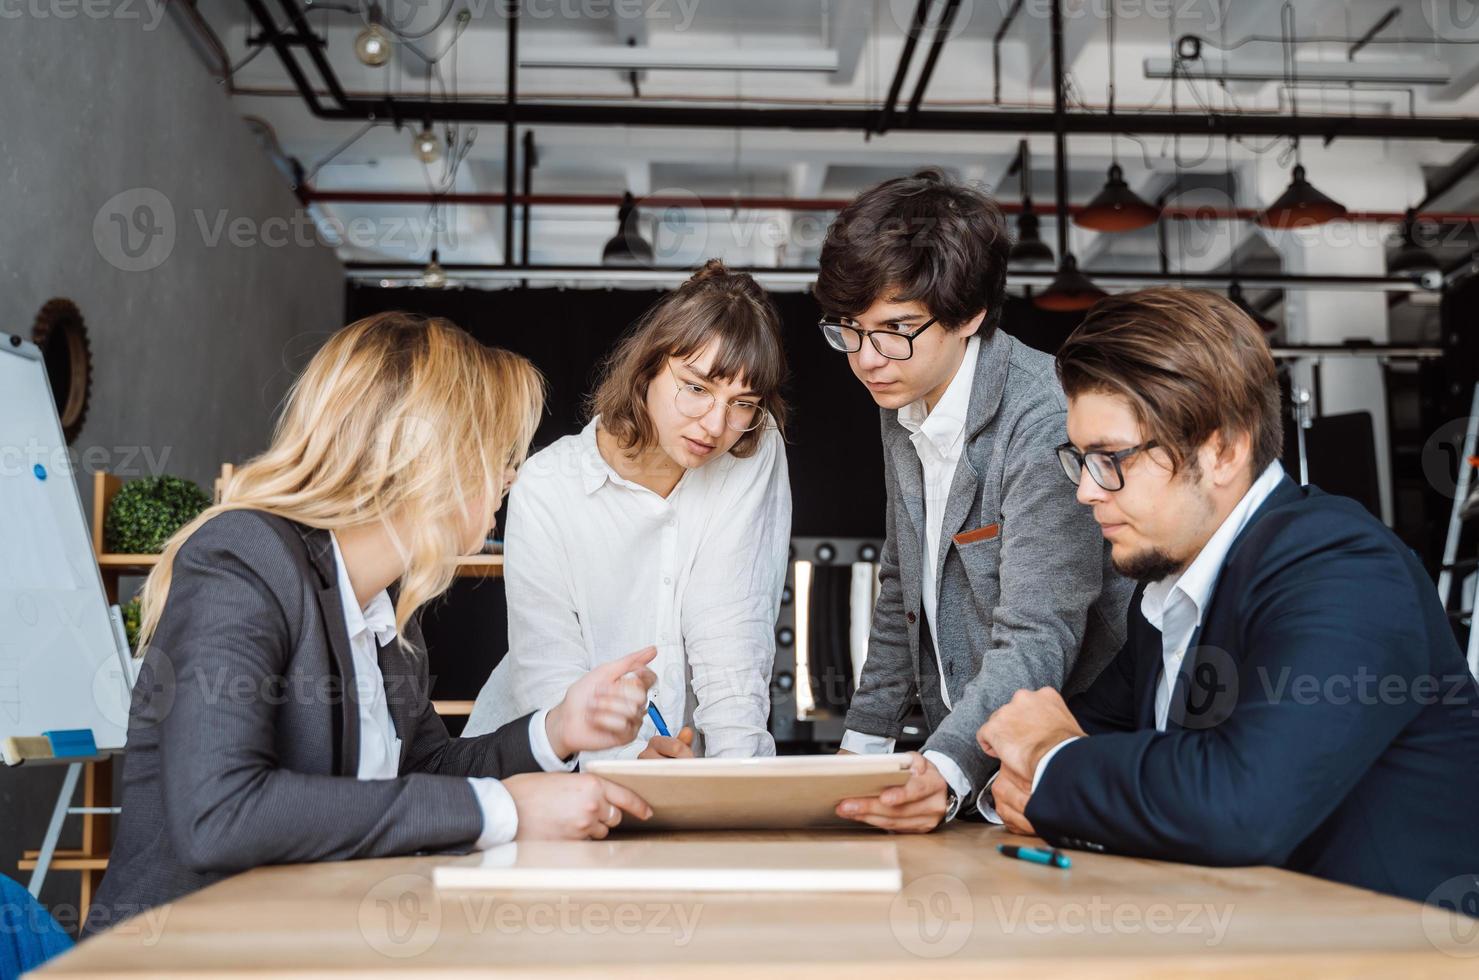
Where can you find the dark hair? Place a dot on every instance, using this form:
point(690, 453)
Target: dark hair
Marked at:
point(922, 238)
point(1189, 362)
point(714, 304)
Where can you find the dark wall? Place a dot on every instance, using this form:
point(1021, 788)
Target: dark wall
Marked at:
point(832, 444)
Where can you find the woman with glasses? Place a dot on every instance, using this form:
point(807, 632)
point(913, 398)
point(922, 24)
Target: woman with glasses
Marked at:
point(665, 522)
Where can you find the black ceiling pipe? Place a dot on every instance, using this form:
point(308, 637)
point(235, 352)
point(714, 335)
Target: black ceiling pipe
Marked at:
point(916, 27)
point(315, 48)
point(1454, 128)
point(510, 127)
point(530, 161)
point(1001, 32)
point(942, 34)
point(1060, 132)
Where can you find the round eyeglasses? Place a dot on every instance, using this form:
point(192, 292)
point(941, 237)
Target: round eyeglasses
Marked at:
point(696, 401)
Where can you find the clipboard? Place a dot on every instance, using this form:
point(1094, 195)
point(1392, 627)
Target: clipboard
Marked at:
point(798, 792)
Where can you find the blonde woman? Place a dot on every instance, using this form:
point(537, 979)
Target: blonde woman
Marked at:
point(281, 714)
point(667, 521)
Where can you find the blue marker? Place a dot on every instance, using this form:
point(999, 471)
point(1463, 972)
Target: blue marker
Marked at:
point(656, 716)
point(1037, 855)
point(40, 471)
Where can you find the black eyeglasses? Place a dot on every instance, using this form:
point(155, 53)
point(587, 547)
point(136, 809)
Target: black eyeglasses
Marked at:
point(1103, 466)
point(847, 336)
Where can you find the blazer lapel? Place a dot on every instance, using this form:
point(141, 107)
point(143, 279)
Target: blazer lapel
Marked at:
point(331, 608)
point(992, 364)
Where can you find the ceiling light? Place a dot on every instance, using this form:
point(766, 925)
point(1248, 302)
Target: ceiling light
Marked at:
point(372, 46)
point(1116, 207)
point(1029, 251)
point(426, 144)
point(1070, 291)
point(434, 276)
point(1301, 206)
point(627, 247)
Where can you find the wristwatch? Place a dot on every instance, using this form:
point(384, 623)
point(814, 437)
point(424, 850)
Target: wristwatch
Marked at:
point(952, 803)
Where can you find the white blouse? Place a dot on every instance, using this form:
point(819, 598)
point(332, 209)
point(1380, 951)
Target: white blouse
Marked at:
point(597, 567)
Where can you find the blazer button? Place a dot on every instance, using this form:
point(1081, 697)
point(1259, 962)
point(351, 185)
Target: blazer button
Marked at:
point(910, 617)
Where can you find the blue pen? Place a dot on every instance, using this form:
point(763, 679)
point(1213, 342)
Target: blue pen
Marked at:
point(656, 716)
point(1037, 855)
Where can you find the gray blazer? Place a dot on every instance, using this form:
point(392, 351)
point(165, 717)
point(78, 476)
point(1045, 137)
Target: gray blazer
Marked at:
point(243, 736)
point(1036, 605)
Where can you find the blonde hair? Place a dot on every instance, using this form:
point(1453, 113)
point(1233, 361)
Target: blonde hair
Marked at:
point(397, 417)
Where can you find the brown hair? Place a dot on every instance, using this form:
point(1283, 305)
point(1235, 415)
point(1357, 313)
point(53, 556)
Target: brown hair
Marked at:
point(1189, 362)
point(715, 304)
point(922, 238)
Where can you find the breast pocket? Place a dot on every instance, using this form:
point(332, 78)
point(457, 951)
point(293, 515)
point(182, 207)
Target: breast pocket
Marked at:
point(980, 556)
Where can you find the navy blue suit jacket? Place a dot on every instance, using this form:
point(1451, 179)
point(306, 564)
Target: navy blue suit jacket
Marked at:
point(1323, 721)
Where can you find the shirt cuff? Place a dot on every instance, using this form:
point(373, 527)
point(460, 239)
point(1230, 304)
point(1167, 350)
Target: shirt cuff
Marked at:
point(500, 816)
point(544, 754)
point(1042, 764)
point(953, 776)
point(866, 744)
point(986, 803)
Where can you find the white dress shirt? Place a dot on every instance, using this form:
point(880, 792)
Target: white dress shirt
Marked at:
point(597, 567)
point(938, 436)
point(1175, 605)
point(372, 627)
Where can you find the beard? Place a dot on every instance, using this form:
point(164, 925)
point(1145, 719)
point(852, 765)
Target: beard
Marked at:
point(1150, 565)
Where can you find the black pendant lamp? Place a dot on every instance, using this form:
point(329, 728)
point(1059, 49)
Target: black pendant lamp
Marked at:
point(627, 247)
point(1301, 205)
point(1070, 291)
point(1116, 207)
point(1029, 252)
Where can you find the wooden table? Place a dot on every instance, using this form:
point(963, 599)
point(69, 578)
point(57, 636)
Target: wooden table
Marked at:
point(964, 911)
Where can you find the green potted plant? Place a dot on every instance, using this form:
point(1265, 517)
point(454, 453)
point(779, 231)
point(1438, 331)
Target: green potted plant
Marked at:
point(145, 513)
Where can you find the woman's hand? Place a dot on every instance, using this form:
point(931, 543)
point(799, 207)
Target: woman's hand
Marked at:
point(670, 747)
point(604, 709)
point(570, 806)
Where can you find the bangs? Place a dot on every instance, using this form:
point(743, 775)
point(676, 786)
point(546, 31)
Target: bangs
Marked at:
point(745, 351)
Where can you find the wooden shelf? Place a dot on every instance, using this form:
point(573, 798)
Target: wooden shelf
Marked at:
point(66, 864)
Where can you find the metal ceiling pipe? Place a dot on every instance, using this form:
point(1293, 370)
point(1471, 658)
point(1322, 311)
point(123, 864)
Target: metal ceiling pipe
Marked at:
point(906, 57)
point(510, 127)
point(942, 34)
point(764, 203)
point(1213, 124)
point(804, 277)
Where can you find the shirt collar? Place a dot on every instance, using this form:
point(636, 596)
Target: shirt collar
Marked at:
point(594, 470)
point(378, 615)
point(945, 425)
point(1200, 577)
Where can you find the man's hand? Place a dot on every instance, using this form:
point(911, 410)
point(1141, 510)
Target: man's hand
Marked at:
point(570, 806)
point(604, 709)
point(1010, 795)
point(1020, 732)
point(917, 807)
point(669, 746)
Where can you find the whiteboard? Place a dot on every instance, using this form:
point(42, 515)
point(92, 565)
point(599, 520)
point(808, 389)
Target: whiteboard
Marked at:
point(60, 663)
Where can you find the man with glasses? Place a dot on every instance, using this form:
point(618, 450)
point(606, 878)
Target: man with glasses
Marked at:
point(991, 578)
point(1290, 692)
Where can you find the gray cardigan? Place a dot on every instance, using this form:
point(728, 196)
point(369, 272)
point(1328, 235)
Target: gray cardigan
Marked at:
point(1037, 605)
point(243, 738)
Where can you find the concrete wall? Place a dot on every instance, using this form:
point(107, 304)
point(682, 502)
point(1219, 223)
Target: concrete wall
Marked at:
point(199, 317)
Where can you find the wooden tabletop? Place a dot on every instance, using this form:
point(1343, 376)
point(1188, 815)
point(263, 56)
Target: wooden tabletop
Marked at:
point(964, 910)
